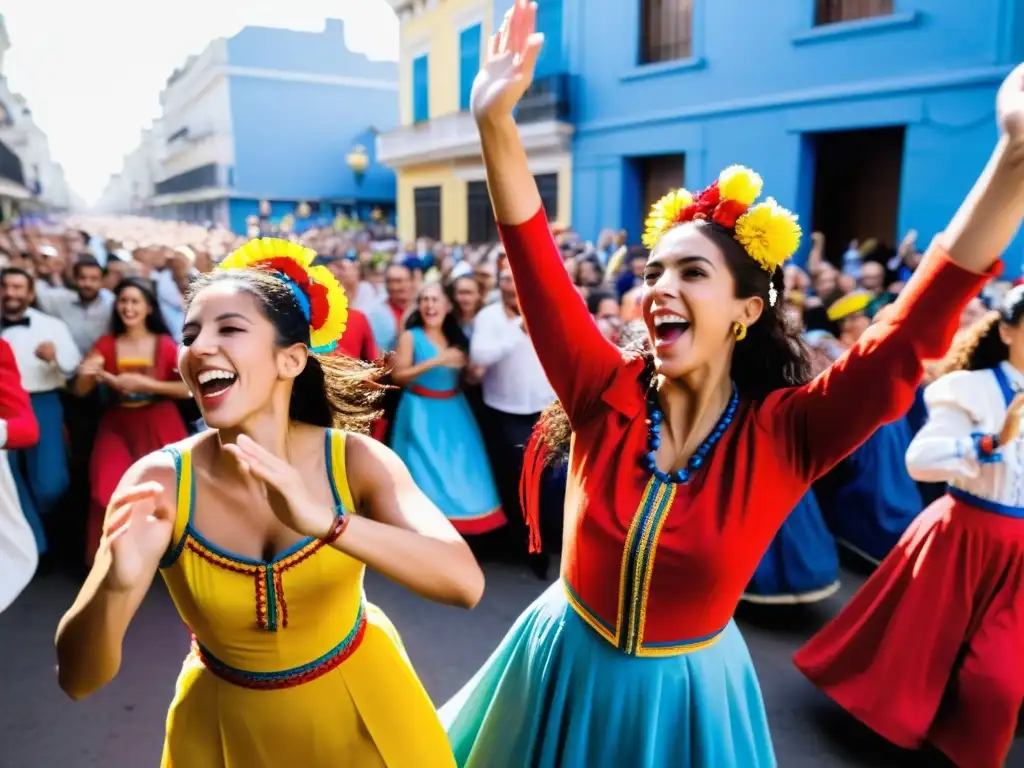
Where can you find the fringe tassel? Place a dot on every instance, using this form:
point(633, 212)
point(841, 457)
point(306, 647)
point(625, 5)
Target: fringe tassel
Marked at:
point(534, 460)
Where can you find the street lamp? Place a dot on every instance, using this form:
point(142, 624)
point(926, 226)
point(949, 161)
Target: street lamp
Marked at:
point(358, 160)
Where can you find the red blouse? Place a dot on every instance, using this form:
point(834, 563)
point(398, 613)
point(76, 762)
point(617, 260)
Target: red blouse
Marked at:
point(15, 405)
point(658, 568)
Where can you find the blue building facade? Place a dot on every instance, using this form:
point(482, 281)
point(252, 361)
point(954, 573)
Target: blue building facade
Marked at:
point(297, 115)
point(867, 117)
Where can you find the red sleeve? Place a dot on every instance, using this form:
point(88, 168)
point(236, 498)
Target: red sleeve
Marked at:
point(15, 405)
point(874, 383)
point(105, 347)
point(167, 365)
point(578, 360)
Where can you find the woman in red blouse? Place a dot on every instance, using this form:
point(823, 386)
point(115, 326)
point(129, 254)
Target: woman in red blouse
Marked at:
point(685, 460)
point(138, 365)
point(18, 429)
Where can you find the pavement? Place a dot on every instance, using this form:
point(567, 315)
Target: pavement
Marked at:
point(122, 726)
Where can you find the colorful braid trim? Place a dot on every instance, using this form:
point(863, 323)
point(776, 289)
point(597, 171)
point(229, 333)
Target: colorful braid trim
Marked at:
point(287, 678)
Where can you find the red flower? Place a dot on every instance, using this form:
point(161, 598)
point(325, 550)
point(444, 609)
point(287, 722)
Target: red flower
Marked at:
point(319, 306)
point(727, 212)
point(289, 268)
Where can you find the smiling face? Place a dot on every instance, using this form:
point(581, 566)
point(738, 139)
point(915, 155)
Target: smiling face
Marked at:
point(132, 307)
point(433, 305)
point(689, 302)
point(230, 355)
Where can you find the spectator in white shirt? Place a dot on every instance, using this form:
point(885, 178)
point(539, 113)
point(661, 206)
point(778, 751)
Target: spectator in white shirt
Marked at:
point(46, 355)
point(515, 391)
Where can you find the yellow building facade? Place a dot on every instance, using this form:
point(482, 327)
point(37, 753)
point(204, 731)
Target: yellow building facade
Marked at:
point(436, 150)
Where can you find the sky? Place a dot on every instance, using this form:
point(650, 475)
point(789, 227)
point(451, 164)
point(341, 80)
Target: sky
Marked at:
point(92, 71)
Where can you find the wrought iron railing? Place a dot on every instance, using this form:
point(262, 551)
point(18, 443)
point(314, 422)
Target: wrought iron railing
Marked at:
point(546, 99)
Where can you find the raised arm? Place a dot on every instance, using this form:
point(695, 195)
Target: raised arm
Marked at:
point(875, 381)
point(576, 357)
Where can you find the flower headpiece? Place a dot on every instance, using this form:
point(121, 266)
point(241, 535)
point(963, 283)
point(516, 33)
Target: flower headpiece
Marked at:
point(768, 232)
point(320, 297)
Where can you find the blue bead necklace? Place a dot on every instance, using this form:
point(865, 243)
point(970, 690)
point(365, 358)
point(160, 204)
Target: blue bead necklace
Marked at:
point(654, 419)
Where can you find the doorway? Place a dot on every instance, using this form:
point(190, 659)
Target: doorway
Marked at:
point(857, 177)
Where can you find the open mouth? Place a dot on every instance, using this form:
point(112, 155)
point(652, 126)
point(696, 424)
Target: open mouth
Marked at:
point(214, 383)
point(669, 328)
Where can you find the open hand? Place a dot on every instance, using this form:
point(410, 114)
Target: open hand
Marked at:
point(132, 383)
point(137, 531)
point(280, 482)
point(1010, 106)
point(508, 68)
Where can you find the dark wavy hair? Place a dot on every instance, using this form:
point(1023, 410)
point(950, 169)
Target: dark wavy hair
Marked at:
point(450, 327)
point(980, 346)
point(332, 390)
point(770, 358)
point(155, 322)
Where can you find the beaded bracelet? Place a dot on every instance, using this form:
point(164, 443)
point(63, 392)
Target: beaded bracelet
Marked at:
point(340, 524)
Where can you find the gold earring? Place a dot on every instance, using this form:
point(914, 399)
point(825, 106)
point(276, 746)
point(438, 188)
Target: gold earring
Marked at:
point(739, 330)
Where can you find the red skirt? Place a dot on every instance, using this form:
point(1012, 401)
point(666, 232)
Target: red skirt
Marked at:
point(931, 649)
point(125, 435)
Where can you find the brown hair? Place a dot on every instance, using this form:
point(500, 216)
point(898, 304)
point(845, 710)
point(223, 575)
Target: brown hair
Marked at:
point(332, 390)
point(771, 357)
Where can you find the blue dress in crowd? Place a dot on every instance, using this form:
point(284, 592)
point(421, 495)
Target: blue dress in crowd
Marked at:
point(438, 438)
point(877, 499)
point(802, 563)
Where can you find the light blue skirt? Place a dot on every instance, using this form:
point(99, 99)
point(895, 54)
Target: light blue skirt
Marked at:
point(556, 695)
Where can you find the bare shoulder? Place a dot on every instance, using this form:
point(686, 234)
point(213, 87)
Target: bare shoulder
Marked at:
point(370, 465)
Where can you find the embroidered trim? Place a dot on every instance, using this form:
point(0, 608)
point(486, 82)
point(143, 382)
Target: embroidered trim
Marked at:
point(287, 678)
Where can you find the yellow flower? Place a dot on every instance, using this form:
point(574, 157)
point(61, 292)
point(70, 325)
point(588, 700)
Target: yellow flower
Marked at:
point(769, 233)
point(326, 337)
point(664, 215)
point(266, 248)
point(252, 254)
point(740, 184)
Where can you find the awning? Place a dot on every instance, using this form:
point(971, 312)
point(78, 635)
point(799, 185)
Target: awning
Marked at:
point(13, 191)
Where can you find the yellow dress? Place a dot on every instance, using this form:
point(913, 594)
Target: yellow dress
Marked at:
point(289, 664)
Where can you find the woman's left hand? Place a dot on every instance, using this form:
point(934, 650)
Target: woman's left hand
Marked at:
point(289, 500)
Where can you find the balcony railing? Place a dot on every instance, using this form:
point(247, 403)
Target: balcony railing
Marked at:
point(10, 165)
point(546, 99)
point(544, 114)
point(203, 177)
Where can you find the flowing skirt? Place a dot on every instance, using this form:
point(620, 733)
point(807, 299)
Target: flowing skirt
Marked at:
point(440, 442)
point(944, 616)
point(802, 563)
point(556, 695)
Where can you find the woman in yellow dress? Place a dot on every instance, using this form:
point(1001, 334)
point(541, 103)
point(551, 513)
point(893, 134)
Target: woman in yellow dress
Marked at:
point(262, 528)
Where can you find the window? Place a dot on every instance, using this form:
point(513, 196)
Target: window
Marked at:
point(835, 11)
point(420, 89)
point(482, 228)
point(658, 175)
point(666, 30)
point(547, 185)
point(428, 212)
point(469, 62)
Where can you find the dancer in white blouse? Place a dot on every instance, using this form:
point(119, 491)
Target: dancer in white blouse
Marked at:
point(944, 613)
